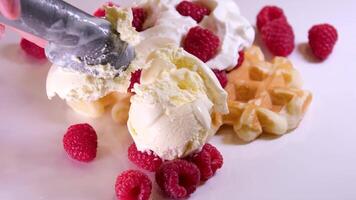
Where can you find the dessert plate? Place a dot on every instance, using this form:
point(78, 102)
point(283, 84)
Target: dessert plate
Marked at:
point(315, 161)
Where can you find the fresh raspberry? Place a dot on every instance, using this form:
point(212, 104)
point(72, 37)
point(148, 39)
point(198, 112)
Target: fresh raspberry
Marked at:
point(133, 185)
point(322, 39)
point(135, 78)
point(80, 142)
point(241, 59)
point(139, 17)
point(194, 10)
point(208, 160)
point(148, 161)
point(278, 37)
point(100, 12)
point(268, 14)
point(178, 178)
point(221, 75)
point(32, 49)
point(202, 43)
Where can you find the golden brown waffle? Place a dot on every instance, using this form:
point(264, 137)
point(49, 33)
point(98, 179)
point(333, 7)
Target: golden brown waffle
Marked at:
point(264, 97)
point(118, 103)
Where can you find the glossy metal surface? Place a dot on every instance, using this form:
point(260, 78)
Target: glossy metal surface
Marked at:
point(77, 40)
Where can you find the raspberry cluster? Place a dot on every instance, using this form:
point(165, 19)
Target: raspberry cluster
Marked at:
point(177, 179)
point(278, 35)
point(276, 32)
point(193, 10)
point(202, 42)
point(181, 177)
point(269, 14)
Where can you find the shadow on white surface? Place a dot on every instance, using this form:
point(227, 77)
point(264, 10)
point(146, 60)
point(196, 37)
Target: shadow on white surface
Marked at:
point(305, 50)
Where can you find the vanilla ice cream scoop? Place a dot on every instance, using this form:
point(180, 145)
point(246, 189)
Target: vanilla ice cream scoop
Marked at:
point(76, 86)
point(170, 113)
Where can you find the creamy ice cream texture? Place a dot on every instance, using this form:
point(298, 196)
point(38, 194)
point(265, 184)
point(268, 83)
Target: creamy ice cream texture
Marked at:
point(75, 86)
point(225, 20)
point(164, 27)
point(170, 113)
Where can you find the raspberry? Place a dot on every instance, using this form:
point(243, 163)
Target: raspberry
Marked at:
point(268, 14)
point(194, 10)
point(221, 75)
point(133, 185)
point(202, 43)
point(32, 49)
point(208, 160)
point(135, 78)
point(241, 59)
point(147, 161)
point(322, 39)
point(178, 178)
point(100, 12)
point(278, 37)
point(139, 17)
point(80, 142)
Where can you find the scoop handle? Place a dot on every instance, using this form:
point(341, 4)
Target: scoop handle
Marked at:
point(76, 40)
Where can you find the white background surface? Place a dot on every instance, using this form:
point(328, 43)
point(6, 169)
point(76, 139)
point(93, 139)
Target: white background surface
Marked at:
point(316, 161)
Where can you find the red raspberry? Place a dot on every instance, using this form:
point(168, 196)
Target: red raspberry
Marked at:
point(202, 43)
point(278, 37)
point(133, 185)
point(32, 49)
point(178, 178)
point(194, 10)
point(139, 17)
point(208, 160)
point(241, 59)
point(80, 142)
point(147, 161)
point(268, 14)
point(221, 75)
point(100, 12)
point(322, 39)
point(135, 78)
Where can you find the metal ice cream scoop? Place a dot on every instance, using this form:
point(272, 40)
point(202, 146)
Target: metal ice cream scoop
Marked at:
point(76, 40)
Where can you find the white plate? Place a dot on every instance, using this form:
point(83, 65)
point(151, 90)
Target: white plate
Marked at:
point(316, 161)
